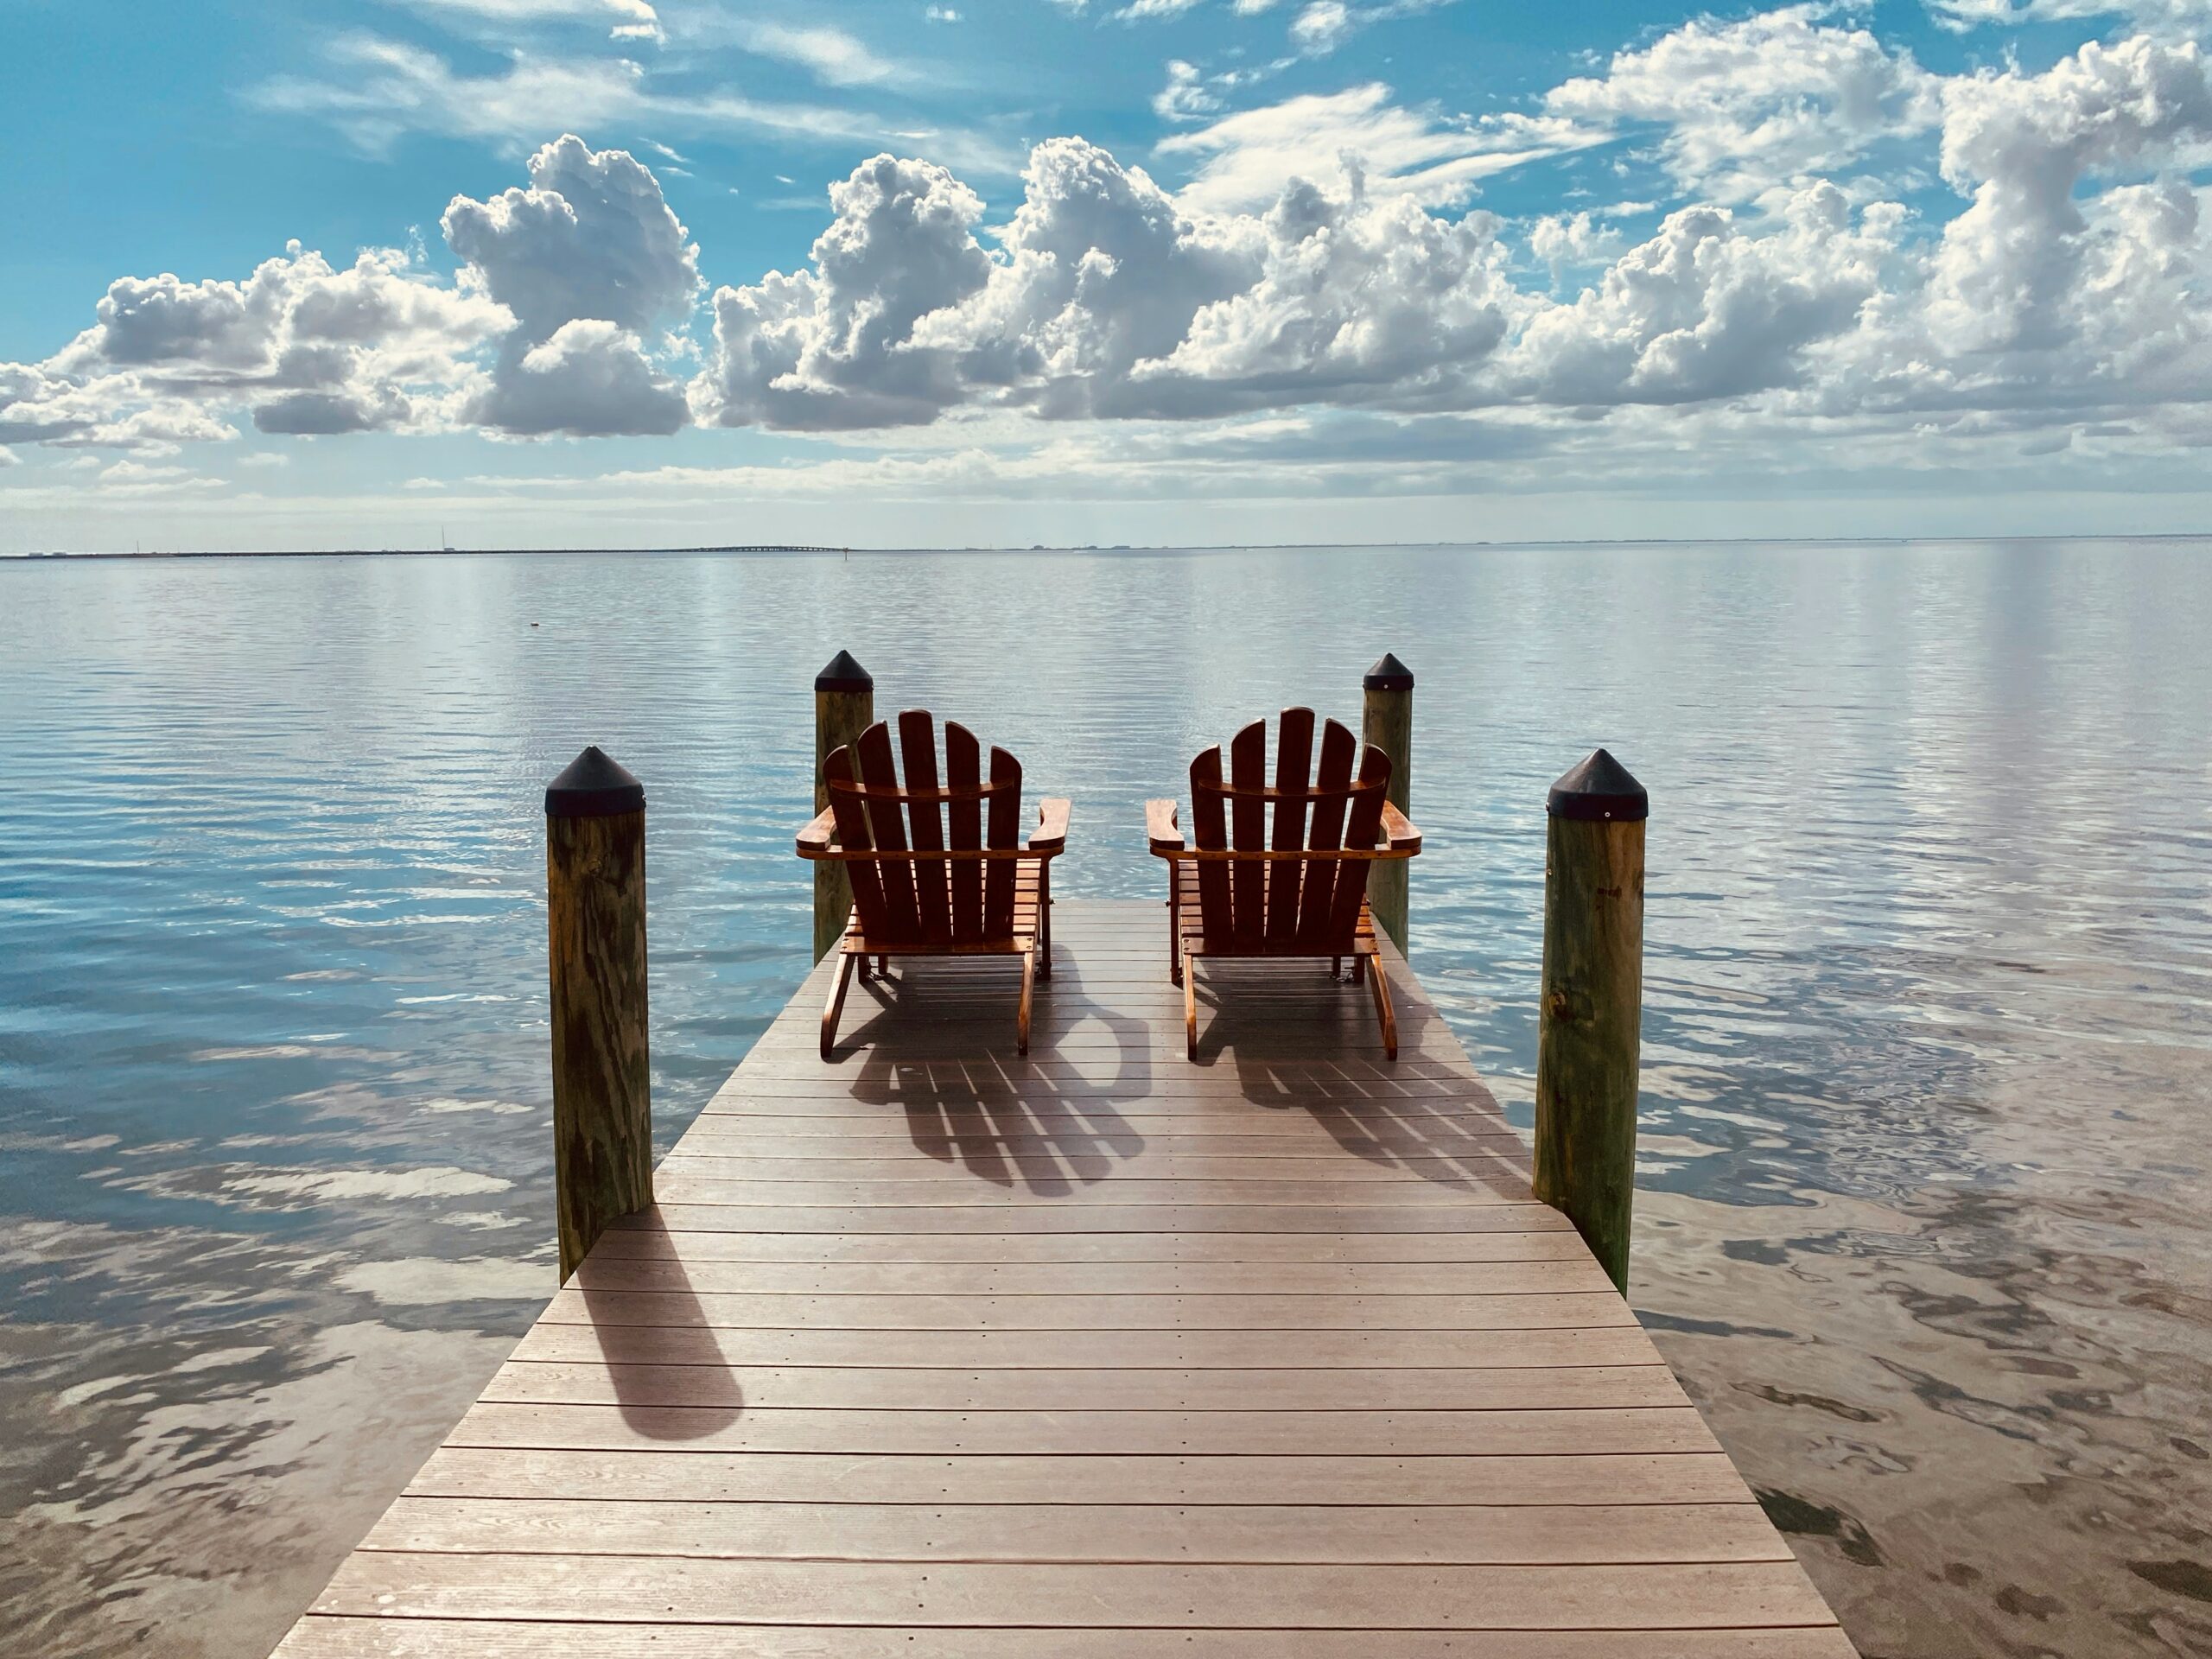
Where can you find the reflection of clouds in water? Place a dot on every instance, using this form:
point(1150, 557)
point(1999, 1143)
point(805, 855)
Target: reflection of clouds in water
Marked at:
point(444, 1104)
point(318, 1185)
point(215, 1359)
point(426, 1281)
point(292, 1189)
point(21, 1143)
point(321, 1047)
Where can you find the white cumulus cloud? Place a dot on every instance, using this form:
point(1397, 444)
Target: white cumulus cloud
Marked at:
point(1765, 100)
point(589, 257)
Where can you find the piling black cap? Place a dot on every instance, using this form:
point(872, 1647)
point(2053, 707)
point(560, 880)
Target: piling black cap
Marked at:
point(593, 786)
point(844, 674)
point(1600, 789)
point(1388, 674)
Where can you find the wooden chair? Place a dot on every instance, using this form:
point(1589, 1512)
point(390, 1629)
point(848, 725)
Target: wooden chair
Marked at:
point(960, 884)
point(1294, 887)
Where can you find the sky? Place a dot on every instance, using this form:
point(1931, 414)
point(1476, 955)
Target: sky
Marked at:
point(593, 273)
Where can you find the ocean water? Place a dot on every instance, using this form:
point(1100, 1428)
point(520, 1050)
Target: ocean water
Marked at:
point(1925, 1216)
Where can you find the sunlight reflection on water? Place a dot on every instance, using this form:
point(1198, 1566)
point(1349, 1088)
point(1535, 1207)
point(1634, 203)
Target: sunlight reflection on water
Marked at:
point(1929, 999)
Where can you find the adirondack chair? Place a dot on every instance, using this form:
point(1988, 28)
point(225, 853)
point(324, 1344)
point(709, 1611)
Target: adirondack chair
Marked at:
point(1294, 887)
point(960, 884)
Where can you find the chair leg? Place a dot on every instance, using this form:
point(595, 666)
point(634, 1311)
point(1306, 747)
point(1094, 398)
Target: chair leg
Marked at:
point(836, 1003)
point(1336, 967)
point(1190, 1008)
point(1028, 987)
point(1358, 970)
point(1174, 927)
point(883, 967)
point(1379, 983)
point(1045, 922)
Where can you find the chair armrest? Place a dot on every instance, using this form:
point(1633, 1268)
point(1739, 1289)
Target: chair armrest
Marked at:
point(1159, 827)
point(819, 836)
point(1397, 831)
point(1051, 834)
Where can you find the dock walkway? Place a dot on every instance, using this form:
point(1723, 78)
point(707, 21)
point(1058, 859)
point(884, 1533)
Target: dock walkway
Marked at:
point(937, 1353)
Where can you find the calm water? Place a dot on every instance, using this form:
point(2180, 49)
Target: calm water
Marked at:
point(1926, 1219)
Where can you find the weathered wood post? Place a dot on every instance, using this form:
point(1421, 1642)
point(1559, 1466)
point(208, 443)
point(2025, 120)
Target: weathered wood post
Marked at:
point(1387, 722)
point(844, 707)
point(1592, 1008)
point(595, 899)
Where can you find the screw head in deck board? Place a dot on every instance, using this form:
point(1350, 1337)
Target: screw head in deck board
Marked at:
point(1388, 674)
point(1598, 790)
point(844, 674)
point(593, 785)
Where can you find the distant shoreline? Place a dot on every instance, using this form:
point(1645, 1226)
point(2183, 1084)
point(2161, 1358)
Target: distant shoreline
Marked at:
point(1211, 547)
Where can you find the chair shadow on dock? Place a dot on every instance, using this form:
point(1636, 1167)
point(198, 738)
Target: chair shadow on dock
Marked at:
point(1002, 1117)
point(1288, 1038)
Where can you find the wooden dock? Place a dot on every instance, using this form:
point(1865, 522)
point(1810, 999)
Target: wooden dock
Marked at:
point(937, 1352)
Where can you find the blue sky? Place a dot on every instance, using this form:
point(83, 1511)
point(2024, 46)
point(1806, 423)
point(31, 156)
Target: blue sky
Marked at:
point(1156, 271)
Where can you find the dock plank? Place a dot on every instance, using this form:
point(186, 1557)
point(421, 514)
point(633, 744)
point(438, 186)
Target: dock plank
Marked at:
point(849, 1387)
point(1141, 1595)
point(323, 1637)
point(1453, 1535)
point(925, 1480)
point(938, 1350)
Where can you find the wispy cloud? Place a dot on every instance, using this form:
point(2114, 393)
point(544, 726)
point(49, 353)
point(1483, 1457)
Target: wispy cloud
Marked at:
point(829, 55)
point(1322, 26)
point(382, 90)
point(1247, 158)
point(1185, 98)
point(628, 20)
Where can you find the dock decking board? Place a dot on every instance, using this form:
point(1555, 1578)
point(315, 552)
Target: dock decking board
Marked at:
point(939, 1351)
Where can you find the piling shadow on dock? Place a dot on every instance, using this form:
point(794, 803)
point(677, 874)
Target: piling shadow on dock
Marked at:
point(936, 1352)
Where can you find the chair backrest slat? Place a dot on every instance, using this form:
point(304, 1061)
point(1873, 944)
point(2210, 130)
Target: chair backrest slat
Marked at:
point(850, 815)
point(1294, 761)
point(1209, 833)
point(1363, 821)
point(1002, 830)
point(1248, 829)
point(1317, 893)
point(879, 770)
point(964, 820)
point(932, 887)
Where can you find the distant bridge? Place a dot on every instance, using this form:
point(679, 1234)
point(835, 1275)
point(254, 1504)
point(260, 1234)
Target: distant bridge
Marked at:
point(772, 547)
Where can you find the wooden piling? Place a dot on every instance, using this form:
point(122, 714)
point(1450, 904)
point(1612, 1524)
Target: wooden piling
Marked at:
point(1387, 722)
point(844, 707)
point(595, 900)
point(1592, 1012)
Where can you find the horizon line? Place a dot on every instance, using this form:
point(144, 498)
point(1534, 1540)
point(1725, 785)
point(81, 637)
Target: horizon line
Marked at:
point(59, 556)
